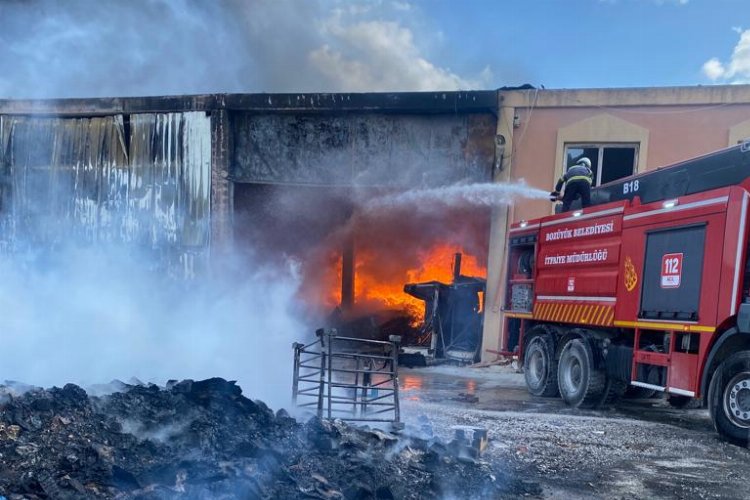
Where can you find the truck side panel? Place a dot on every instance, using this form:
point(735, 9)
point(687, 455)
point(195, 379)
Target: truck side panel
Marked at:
point(577, 266)
point(697, 267)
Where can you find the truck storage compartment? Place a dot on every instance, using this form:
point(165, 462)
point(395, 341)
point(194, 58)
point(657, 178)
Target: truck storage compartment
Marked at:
point(672, 273)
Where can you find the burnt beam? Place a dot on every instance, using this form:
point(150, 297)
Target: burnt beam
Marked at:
point(477, 101)
point(347, 275)
point(222, 191)
point(420, 102)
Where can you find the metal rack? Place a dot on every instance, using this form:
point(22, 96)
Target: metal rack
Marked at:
point(347, 378)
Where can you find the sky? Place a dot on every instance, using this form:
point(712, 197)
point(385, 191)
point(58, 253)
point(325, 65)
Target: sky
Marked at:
point(96, 48)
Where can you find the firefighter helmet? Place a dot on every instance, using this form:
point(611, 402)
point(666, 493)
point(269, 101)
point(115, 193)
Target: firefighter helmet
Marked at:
point(584, 161)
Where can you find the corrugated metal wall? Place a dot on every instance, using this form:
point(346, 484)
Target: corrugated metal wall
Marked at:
point(143, 180)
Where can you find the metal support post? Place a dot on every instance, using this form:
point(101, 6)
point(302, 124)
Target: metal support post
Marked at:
point(395, 339)
point(321, 389)
point(330, 334)
point(295, 379)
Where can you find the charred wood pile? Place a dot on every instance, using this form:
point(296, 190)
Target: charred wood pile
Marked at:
point(204, 439)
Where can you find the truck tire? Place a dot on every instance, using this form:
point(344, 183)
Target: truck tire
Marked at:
point(729, 398)
point(540, 366)
point(581, 384)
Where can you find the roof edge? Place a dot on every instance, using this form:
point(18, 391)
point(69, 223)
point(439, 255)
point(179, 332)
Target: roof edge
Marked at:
point(421, 102)
point(696, 95)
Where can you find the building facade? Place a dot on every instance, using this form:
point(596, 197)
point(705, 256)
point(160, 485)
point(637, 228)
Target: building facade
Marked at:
point(181, 178)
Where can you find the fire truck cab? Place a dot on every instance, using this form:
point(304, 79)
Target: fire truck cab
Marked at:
point(647, 288)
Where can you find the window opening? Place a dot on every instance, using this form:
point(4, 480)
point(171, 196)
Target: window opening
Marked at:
point(609, 162)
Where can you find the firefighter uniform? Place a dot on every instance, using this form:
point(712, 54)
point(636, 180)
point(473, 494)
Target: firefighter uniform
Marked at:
point(577, 181)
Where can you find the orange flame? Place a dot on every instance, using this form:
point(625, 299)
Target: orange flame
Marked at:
point(379, 286)
point(375, 290)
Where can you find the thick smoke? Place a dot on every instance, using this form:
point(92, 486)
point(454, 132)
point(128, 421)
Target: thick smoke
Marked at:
point(80, 307)
point(90, 315)
point(87, 313)
point(97, 48)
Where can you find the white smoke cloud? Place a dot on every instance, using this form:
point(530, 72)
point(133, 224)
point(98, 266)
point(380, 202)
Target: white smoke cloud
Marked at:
point(90, 315)
point(93, 314)
point(737, 69)
point(95, 48)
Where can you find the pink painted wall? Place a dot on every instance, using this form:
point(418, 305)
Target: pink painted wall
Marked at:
point(675, 133)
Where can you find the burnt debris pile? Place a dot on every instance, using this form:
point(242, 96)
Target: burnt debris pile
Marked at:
point(205, 440)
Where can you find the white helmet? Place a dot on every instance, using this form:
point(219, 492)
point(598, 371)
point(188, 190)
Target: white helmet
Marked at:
point(584, 161)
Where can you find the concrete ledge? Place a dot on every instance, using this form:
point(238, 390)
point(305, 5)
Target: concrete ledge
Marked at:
point(622, 97)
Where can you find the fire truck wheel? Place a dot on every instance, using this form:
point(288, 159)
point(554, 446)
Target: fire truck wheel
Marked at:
point(581, 385)
point(540, 367)
point(729, 398)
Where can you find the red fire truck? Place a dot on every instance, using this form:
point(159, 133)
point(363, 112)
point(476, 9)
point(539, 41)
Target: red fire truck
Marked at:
point(647, 287)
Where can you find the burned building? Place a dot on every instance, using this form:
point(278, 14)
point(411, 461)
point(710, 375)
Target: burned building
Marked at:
point(271, 176)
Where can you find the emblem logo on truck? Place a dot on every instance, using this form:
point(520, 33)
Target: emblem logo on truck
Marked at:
point(631, 277)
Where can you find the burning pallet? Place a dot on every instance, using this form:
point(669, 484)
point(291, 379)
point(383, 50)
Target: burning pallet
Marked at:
point(452, 326)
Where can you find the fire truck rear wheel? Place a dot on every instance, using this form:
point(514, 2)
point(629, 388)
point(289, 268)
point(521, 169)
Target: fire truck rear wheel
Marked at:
point(581, 384)
point(540, 367)
point(729, 398)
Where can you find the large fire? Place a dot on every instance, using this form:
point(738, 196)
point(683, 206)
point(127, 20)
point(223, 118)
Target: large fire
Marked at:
point(378, 289)
point(379, 249)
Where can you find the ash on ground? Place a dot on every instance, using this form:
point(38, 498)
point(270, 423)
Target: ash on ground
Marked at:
point(205, 440)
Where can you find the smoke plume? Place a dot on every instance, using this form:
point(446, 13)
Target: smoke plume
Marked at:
point(95, 48)
point(90, 315)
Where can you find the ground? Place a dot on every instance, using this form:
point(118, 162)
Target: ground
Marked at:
point(636, 449)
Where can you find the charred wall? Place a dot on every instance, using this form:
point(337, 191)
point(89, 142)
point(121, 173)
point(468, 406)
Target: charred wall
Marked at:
point(300, 178)
point(141, 180)
point(373, 149)
point(160, 172)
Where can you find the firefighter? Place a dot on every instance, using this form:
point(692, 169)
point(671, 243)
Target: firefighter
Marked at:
point(577, 182)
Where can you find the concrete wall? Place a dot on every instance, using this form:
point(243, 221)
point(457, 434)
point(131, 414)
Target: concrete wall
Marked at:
point(669, 124)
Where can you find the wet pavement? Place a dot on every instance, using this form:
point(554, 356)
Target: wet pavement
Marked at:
point(636, 449)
